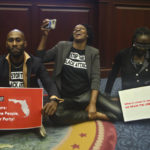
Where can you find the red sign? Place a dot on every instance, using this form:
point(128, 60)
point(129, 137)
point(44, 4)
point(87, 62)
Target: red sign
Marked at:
point(20, 108)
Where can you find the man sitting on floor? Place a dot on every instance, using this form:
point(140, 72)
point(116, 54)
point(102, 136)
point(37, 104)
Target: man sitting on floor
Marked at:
point(21, 70)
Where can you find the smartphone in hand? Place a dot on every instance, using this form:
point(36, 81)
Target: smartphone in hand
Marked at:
point(51, 24)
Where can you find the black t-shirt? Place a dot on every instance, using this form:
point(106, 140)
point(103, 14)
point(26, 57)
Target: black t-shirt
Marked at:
point(16, 78)
point(74, 74)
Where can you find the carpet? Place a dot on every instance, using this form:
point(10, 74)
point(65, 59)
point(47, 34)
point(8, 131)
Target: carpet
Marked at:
point(133, 135)
point(92, 135)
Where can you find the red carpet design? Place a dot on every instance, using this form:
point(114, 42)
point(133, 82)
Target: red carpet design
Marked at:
point(93, 135)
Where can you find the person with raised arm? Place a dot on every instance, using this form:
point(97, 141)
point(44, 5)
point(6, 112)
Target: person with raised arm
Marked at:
point(77, 77)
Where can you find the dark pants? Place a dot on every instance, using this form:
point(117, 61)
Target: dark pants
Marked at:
point(72, 110)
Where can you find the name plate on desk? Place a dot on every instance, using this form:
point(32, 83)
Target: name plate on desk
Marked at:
point(20, 108)
point(135, 103)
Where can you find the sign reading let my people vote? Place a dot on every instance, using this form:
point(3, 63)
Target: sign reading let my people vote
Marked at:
point(135, 103)
point(20, 108)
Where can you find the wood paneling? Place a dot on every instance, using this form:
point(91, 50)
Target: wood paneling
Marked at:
point(27, 16)
point(14, 16)
point(105, 28)
point(118, 20)
point(113, 22)
point(67, 17)
point(126, 19)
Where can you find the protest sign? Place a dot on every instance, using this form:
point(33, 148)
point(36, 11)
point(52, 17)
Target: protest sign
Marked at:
point(135, 103)
point(20, 108)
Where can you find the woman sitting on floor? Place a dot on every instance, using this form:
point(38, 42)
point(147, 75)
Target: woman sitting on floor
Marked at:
point(77, 76)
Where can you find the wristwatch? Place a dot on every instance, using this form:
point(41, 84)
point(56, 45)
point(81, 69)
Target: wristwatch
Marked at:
point(56, 99)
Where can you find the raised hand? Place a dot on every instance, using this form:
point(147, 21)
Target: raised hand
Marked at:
point(45, 30)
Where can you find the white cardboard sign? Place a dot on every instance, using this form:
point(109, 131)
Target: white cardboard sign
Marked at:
point(135, 103)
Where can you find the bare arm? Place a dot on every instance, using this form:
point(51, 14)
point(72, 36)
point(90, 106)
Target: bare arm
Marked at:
point(91, 108)
point(94, 94)
point(45, 55)
point(44, 37)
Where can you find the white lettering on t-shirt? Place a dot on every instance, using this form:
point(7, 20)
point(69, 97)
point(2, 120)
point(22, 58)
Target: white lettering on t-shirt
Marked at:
point(75, 64)
point(16, 75)
point(16, 79)
point(76, 56)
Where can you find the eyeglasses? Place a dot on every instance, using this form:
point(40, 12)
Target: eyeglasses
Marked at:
point(142, 45)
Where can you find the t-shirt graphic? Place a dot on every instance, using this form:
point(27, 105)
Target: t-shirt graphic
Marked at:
point(16, 78)
point(76, 60)
point(74, 74)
